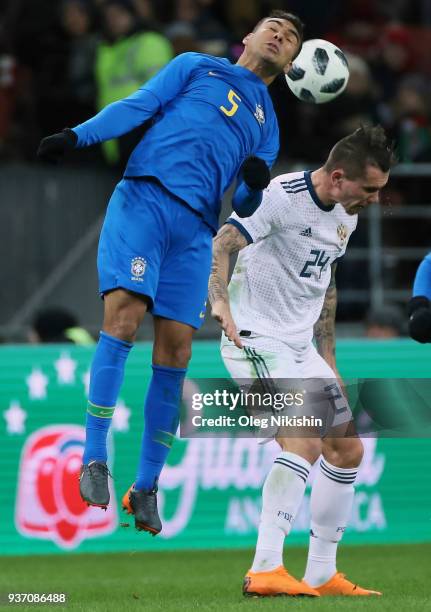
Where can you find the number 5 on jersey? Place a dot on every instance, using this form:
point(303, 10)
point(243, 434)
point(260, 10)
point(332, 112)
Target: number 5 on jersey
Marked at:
point(234, 105)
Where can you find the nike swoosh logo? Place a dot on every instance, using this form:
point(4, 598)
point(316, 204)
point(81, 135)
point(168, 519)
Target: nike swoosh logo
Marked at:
point(103, 412)
point(202, 315)
point(211, 73)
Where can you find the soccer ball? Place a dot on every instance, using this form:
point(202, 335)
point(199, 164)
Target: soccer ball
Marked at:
point(319, 73)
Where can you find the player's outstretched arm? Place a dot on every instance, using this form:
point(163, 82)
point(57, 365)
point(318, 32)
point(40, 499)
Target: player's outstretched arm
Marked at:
point(114, 120)
point(125, 115)
point(228, 240)
point(419, 308)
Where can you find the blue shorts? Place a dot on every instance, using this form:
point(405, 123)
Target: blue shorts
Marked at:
point(153, 244)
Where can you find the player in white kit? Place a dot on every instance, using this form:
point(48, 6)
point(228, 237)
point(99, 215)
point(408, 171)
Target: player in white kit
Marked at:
point(281, 295)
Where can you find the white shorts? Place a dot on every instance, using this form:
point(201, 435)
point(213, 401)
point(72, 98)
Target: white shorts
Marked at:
point(281, 366)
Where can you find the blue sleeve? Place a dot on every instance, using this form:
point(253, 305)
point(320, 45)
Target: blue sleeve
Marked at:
point(268, 149)
point(422, 284)
point(246, 201)
point(125, 115)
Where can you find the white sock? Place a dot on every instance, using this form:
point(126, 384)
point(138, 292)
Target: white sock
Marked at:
point(281, 497)
point(331, 506)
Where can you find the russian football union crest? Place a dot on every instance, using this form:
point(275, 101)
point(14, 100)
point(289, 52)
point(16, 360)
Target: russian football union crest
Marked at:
point(342, 234)
point(48, 503)
point(138, 267)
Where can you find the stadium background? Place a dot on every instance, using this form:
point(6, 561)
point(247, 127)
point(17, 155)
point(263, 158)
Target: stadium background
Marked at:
point(60, 62)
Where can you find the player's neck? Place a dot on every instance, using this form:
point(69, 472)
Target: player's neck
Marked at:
point(322, 187)
point(259, 68)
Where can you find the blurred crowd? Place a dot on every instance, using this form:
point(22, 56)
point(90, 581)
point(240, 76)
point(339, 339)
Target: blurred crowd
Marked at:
point(61, 61)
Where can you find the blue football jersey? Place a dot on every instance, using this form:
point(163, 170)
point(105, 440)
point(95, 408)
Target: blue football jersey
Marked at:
point(208, 117)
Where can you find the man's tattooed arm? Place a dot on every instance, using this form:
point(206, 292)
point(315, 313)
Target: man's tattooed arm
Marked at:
point(324, 329)
point(228, 240)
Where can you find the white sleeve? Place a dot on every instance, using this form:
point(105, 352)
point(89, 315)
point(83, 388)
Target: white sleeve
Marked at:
point(267, 219)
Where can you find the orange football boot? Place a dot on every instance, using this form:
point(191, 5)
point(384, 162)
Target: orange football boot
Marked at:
point(273, 583)
point(339, 585)
point(125, 502)
point(143, 505)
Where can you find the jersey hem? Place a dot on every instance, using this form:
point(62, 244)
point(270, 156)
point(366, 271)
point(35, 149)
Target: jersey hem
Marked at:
point(213, 225)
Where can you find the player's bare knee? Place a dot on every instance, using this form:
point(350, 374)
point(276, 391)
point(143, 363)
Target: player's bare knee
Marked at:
point(123, 315)
point(181, 355)
point(122, 329)
point(172, 355)
point(344, 453)
point(355, 452)
point(308, 448)
point(123, 323)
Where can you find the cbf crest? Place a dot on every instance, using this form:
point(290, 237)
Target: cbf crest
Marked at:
point(138, 268)
point(259, 114)
point(342, 233)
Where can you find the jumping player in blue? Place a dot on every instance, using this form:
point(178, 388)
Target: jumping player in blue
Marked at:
point(420, 304)
point(213, 122)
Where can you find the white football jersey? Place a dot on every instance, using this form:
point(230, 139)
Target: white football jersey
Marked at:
point(280, 279)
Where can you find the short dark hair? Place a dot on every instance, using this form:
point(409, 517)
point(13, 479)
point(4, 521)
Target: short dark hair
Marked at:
point(293, 19)
point(366, 146)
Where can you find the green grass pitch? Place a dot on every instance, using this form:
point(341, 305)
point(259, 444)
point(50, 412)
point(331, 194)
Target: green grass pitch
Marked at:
point(212, 580)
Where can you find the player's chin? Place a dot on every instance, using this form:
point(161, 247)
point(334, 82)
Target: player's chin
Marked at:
point(273, 59)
